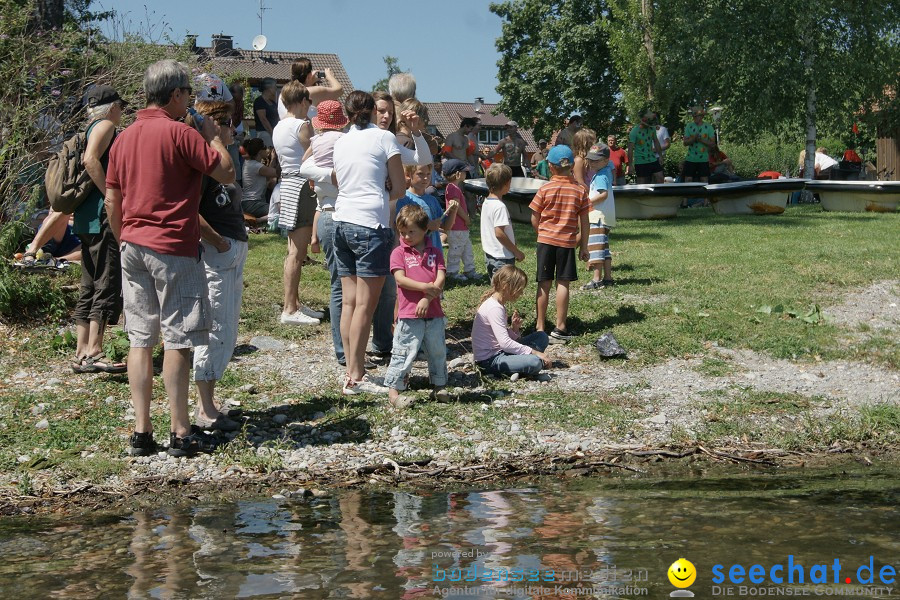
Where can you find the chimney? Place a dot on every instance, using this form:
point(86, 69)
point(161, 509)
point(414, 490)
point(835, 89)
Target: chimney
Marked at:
point(191, 41)
point(222, 45)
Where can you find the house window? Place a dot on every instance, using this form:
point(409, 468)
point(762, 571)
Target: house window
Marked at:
point(489, 136)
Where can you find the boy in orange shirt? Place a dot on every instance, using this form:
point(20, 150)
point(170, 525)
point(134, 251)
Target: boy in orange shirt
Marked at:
point(559, 209)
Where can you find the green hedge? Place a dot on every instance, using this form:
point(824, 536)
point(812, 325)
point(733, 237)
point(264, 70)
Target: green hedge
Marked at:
point(751, 158)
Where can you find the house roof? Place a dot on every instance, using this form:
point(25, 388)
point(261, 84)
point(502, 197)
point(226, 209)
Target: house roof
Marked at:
point(257, 65)
point(445, 116)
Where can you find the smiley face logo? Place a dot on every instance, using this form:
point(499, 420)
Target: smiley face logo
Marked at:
point(682, 573)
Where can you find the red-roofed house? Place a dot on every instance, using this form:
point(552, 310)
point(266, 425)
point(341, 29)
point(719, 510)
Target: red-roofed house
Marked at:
point(445, 117)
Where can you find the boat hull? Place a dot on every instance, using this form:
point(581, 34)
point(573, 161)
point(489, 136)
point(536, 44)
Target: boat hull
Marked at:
point(857, 196)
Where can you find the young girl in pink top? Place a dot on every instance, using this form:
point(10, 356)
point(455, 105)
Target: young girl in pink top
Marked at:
point(498, 349)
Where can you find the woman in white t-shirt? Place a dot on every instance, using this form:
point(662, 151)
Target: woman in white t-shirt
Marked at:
point(256, 177)
point(298, 202)
point(364, 160)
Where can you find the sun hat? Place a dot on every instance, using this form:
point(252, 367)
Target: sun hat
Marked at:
point(597, 152)
point(560, 156)
point(330, 115)
point(454, 166)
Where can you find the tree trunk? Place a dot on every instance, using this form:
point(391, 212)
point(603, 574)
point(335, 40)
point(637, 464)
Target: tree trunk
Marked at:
point(647, 27)
point(48, 14)
point(809, 64)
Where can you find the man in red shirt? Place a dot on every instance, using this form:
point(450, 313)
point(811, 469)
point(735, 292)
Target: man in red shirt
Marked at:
point(152, 199)
point(619, 158)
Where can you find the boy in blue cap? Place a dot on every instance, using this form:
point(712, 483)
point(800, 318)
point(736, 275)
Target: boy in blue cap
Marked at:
point(559, 210)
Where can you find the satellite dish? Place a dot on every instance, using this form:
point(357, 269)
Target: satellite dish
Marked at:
point(259, 42)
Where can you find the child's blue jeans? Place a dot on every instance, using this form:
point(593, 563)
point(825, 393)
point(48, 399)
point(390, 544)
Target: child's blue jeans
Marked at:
point(526, 364)
point(411, 335)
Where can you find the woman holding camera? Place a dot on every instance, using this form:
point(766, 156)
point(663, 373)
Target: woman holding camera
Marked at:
point(322, 85)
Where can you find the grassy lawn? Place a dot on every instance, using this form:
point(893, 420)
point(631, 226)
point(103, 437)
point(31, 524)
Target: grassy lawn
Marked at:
point(743, 282)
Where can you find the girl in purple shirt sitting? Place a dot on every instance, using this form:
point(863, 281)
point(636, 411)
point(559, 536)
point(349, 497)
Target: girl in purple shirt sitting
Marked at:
point(499, 349)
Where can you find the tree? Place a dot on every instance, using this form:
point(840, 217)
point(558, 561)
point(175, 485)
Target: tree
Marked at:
point(555, 60)
point(393, 67)
point(775, 64)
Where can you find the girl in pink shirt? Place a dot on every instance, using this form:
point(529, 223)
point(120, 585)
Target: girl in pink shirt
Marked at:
point(499, 349)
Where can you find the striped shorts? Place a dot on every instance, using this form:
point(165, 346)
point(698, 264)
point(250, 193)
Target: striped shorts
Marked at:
point(598, 244)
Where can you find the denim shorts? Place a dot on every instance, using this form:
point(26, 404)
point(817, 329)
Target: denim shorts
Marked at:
point(362, 251)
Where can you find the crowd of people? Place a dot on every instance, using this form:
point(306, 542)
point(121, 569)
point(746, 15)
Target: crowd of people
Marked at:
point(164, 237)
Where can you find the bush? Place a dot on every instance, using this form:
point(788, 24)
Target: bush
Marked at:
point(750, 158)
point(43, 77)
point(25, 295)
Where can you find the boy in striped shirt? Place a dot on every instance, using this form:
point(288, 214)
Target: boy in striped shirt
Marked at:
point(559, 210)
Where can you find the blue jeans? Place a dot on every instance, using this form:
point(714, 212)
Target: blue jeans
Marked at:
point(493, 264)
point(362, 251)
point(526, 364)
point(383, 318)
point(409, 337)
point(326, 241)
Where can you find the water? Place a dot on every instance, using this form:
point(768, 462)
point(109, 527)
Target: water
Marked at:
point(615, 536)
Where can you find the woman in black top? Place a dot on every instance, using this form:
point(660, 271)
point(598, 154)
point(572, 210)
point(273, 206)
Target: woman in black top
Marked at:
point(224, 239)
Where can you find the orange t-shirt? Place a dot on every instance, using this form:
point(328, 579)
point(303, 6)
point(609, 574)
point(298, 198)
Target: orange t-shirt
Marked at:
point(559, 204)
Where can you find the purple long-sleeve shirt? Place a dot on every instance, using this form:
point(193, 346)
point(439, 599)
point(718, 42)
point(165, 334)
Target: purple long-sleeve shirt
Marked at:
point(490, 335)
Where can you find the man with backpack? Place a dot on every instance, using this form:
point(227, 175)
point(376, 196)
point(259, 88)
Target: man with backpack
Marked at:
point(152, 199)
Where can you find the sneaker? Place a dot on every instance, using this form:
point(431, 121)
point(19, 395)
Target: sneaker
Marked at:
point(592, 285)
point(297, 318)
point(379, 358)
point(315, 314)
point(560, 336)
point(191, 444)
point(458, 278)
point(441, 395)
point(363, 386)
point(141, 444)
point(473, 276)
point(402, 402)
point(608, 283)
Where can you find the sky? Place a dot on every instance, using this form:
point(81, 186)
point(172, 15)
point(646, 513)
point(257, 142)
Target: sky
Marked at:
point(450, 51)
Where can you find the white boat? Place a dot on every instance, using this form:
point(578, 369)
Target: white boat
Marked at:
point(752, 197)
point(653, 200)
point(857, 196)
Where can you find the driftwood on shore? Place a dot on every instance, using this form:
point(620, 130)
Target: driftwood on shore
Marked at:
point(424, 473)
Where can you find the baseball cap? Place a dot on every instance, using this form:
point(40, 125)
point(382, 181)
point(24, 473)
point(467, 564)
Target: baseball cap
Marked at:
point(542, 142)
point(512, 124)
point(102, 94)
point(598, 151)
point(453, 166)
point(561, 156)
point(209, 88)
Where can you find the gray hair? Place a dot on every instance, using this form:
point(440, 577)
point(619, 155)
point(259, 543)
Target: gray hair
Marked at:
point(164, 77)
point(402, 86)
point(100, 111)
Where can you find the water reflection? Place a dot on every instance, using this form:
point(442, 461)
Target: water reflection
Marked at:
point(596, 536)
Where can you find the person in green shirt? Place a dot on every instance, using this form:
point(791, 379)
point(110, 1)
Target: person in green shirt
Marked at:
point(643, 148)
point(699, 137)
